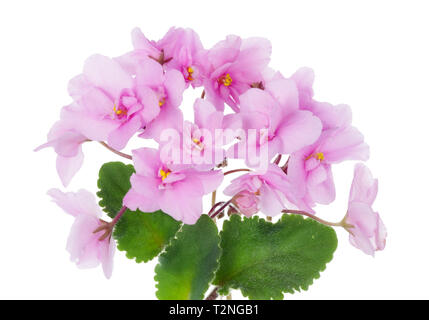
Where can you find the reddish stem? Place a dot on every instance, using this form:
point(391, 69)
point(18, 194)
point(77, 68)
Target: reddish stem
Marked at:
point(119, 153)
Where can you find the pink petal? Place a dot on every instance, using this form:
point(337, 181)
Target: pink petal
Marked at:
point(364, 187)
point(299, 130)
point(75, 204)
point(68, 166)
point(345, 144)
point(324, 192)
point(150, 73)
point(107, 253)
point(119, 138)
point(107, 74)
point(134, 200)
point(175, 86)
point(146, 161)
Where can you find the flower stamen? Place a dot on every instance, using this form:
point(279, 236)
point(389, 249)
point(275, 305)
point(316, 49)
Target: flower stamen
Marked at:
point(164, 174)
point(190, 73)
point(226, 80)
point(318, 156)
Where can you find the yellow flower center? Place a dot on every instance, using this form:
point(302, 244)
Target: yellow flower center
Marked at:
point(161, 102)
point(117, 111)
point(226, 80)
point(318, 156)
point(164, 174)
point(190, 72)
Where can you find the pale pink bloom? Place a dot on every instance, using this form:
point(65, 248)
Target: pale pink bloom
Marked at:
point(67, 143)
point(179, 49)
point(310, 167)
point(166, 88)
point(273, 189)
point(109, 103)
point(85, 248)
point(332, 116)
point(246, 202)
point(368, 232)
point(202, 141)
point(280, 126)
point(234, 64)
point(156, 186)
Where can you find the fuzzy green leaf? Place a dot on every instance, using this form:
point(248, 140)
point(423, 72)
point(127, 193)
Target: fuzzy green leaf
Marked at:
point(264, 260)
point(144, 235)
point(188, 264)
point(114, 183)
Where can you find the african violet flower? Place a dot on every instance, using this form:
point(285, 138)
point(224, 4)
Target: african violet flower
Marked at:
point(310, 167)
point(166, 89)
point(332, 116)
point(273, 189)
point(179, 49)
point(246, 202)
point(233, 65)
point(141, 93)
point(84, 246)
point(109, 105)
point(280, 126)
point(155, 186)
point(368, 232)
point(201, 143)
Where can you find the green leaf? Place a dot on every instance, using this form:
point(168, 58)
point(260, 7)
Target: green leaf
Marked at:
point(144, 235)
point(188, 264)
point(264, 260)
point(114, 183)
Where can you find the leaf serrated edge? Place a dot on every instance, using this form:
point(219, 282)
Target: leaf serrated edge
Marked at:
point(100, 193)
point(133, 257)
point(224, 291)
point(176, 237)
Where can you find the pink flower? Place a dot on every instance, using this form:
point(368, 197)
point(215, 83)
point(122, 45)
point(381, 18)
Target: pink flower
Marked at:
point(280, 126)
point(67, 143)
point(310, 167)
point(332, 116)
point(368, 232)
point(273, 190)
point(84, 246)
point(201, 143)
point(247, 202)
point(179, 49)
point(109, 105)
point(178, 193)
point(166, 88)
point(234, 65)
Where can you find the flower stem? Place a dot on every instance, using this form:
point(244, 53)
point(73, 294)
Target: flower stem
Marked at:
point(115, 151)
point(214, 198)
point(235, 170)
point(303, 213)
point(223, 206)
point(108, 226)
point(119, 215)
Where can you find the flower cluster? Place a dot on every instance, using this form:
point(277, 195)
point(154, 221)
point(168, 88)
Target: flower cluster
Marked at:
point(288, 141)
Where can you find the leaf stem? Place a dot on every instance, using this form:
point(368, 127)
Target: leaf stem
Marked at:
point(119, 153)
point(213, 295)
point(312, 216)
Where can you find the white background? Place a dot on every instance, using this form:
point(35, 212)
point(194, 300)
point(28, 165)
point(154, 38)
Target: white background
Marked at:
point(372, 55)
